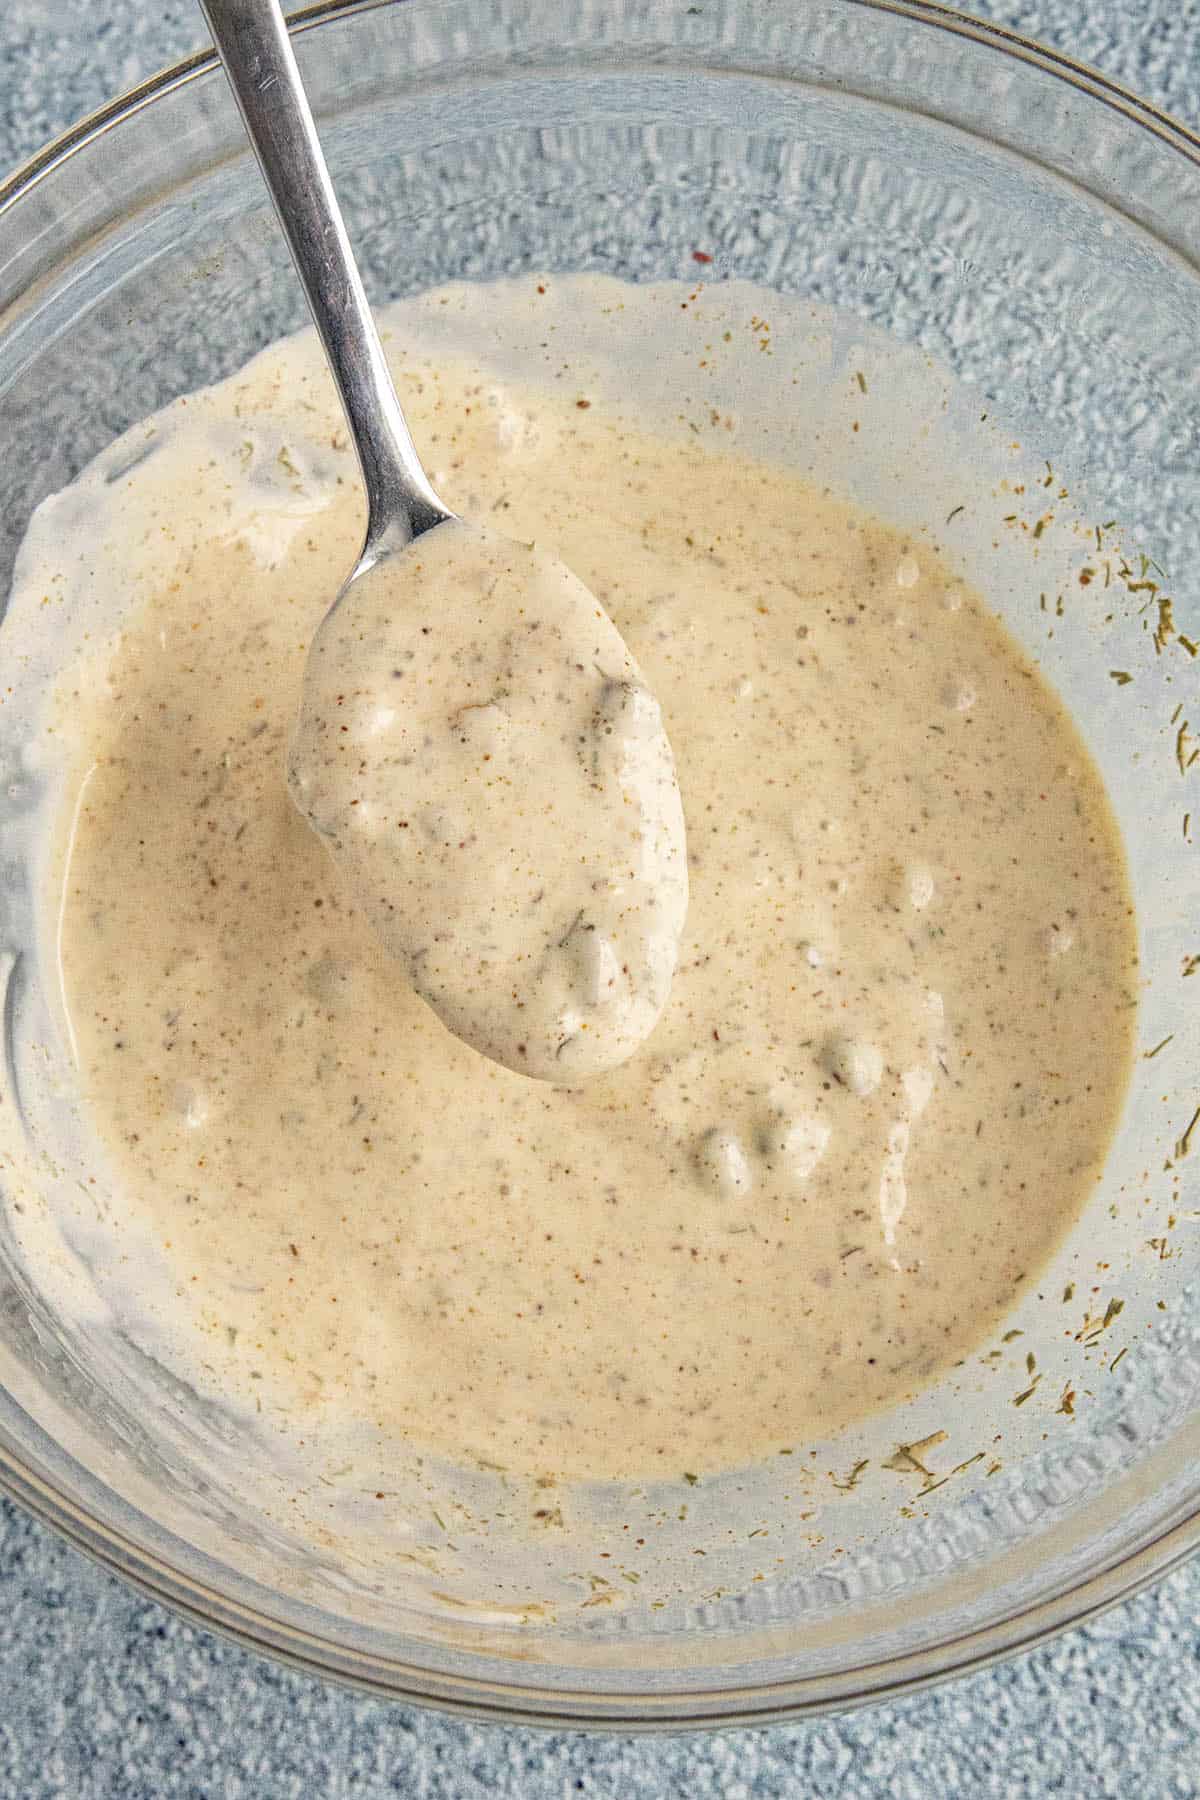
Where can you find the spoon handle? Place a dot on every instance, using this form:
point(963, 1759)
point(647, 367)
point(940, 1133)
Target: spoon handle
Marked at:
point(252, 40)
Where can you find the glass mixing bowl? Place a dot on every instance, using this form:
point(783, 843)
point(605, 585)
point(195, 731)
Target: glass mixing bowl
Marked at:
point(1034, 231)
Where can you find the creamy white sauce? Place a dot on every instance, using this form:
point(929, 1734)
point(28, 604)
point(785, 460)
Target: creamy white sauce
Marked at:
point(883, 1082)
point(481, 755)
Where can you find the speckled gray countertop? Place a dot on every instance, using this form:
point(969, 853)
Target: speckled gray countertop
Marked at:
point(102, 1693)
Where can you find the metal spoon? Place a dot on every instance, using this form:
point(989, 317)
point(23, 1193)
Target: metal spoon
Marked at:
point(535, 885)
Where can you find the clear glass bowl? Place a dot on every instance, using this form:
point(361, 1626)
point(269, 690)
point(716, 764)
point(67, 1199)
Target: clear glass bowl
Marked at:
point(1036, 231)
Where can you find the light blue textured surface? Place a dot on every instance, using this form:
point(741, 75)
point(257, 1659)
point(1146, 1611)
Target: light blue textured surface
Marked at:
point(103, 1694)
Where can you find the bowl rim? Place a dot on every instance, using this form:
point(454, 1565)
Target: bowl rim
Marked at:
point(512, 1702)
point(1092, 82)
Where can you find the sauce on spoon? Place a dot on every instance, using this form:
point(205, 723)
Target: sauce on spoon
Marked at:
point(479, 751)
